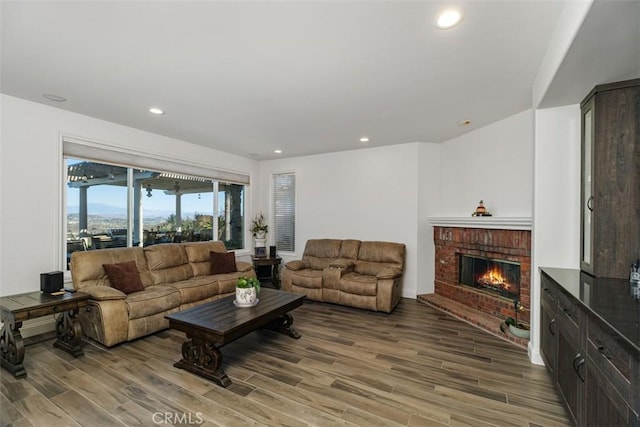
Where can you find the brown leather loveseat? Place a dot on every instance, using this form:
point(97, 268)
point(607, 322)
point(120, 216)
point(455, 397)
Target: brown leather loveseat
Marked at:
point(173, 276)
point(349, 272)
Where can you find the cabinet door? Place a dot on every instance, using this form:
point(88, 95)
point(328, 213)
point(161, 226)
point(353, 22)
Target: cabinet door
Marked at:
point(610, 196)
point(586, 197)
point(548, 335)
point(604, 405)
point(570, 372)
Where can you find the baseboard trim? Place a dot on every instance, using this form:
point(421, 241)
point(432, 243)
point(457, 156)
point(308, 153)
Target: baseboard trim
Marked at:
point(534, 355)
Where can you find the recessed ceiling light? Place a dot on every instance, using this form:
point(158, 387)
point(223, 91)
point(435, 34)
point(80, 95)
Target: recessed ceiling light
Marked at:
point(463, 122)
point(155, 110)
point(364, 139)
point(277, 151)
point(54, 98)
point(449, 18)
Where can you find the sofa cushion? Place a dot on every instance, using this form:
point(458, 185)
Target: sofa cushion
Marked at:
point(349, 249)
point(319, 253)
point(196, 288)
point(222, 263)
point(154, 299)
point(359, 284)
point(168, 263)
point(311, 279)
point(124, 276)
point(198, 254)
point(376, 256)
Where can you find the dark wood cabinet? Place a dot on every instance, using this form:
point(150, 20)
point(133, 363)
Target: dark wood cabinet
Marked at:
point(570, 372)
point(549, 328)
point(607, 407)
point(596, 370)
point(610, 196)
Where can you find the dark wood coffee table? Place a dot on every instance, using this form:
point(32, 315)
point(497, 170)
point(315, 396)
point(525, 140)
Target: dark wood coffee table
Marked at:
point(212, 325)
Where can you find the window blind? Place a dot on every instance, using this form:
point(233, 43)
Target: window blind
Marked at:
point(131, 158)
point(284, 203)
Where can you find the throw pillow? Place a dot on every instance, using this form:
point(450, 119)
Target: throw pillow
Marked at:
point(124, 276)
point(223, 262)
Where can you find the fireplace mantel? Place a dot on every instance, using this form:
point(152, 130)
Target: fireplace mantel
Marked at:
point(502, 223)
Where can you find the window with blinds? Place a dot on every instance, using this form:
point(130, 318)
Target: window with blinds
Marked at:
point(284, 211)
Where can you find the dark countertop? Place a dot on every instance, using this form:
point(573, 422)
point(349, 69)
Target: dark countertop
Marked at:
point(610, 300)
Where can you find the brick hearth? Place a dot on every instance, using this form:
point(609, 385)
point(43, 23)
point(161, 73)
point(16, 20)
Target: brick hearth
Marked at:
point(473, 304)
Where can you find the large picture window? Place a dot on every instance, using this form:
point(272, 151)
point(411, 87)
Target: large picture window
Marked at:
point(284, 211)
point(115, 206)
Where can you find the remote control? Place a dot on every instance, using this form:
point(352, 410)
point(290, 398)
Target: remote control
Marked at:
point(70, 290)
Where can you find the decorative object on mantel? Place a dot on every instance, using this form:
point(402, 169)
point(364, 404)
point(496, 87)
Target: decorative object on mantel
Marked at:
point(518, 329)
point(481, 210)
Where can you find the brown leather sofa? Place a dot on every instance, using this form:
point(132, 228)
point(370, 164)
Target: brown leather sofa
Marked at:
point(175, 276)
point(349, 272)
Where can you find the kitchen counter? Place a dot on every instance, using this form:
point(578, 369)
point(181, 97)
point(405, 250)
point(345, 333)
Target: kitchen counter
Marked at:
point(610, 300)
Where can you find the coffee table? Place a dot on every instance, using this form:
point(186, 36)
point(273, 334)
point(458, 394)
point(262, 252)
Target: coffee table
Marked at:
point(212, 325)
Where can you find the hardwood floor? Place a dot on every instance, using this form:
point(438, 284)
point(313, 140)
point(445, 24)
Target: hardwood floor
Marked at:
point(415, 367)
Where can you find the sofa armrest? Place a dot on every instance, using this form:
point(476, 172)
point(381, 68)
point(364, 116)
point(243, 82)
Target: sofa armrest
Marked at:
point(297, 264)
point(105, 321)
point(104, 293)
point(389, 273)
point(243, 267)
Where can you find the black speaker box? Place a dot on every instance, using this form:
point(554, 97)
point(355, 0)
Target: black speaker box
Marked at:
point(272, 251)
point(51, 282)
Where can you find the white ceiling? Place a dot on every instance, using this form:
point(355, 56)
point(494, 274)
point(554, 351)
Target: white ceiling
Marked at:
point(302, 76)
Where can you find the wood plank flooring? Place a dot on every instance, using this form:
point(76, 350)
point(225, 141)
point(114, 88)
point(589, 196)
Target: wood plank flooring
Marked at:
point(415, 367)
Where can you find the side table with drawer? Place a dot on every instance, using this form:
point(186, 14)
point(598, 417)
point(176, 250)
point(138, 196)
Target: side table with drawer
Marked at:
point(267, 270)
point(15, 309)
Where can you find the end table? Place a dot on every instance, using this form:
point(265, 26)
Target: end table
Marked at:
point(17, 308)
point(274, 266)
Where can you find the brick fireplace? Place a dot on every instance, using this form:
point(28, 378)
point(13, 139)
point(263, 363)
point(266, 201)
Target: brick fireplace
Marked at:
point(453, 246)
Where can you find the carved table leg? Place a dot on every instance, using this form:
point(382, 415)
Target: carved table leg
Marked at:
point(205, 359)
point(12, 348)
point(69, 333)
point(284, 324)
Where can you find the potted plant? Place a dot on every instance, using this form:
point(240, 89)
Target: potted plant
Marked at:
point(247, 290)
point(259, 227)
point(518, 329)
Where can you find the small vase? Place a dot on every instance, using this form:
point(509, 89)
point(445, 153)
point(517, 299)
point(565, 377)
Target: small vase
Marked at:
point(260, 234)
point(246, 296)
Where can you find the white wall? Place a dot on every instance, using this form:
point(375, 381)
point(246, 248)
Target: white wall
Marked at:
point(492, 164)
point(30, 181)
point(365, 194)
point(556, 218)
point(429, 183)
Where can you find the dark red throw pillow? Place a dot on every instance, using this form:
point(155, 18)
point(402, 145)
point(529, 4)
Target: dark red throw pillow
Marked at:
point(124, 277)
point(223, 262)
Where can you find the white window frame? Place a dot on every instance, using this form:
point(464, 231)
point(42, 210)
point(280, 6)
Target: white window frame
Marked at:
point(88, 149)
point(273, 214)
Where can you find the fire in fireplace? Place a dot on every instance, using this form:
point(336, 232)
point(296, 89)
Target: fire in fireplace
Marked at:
point(492, 275)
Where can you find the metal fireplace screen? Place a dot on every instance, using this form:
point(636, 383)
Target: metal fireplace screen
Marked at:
point(491, 275)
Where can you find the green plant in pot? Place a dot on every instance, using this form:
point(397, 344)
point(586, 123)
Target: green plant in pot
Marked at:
point(247, 290)
point(516, 328)
point(259, 227)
